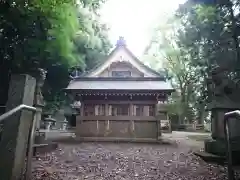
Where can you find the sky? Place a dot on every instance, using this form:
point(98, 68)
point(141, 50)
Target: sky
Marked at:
point(136, 19)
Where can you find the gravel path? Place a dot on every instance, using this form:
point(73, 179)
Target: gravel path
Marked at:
point(124, 161)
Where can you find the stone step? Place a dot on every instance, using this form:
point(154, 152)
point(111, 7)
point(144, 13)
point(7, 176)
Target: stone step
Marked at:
point(210, 158)
point(160, 140)
point(45, 147)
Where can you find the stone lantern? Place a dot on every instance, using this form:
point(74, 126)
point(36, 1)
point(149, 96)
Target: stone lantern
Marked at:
point(48, 122)
point(76, 105)
point(64, 125)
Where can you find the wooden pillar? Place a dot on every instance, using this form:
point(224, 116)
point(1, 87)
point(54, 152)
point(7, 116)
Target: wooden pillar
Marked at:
point(96, 113)
point(106, 109)
point(79, 122)
point(170, 124)
point(146, 110)
point(96, 110)
point(82, 109)
point(13, 145)
point(107, 125)
point(131, 113)
point(158, 119)
point(134, 110)
point(109, 113)
point(131, 109)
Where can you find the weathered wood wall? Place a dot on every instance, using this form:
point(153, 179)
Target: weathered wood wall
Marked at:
point(117, 128)
point(130, 126)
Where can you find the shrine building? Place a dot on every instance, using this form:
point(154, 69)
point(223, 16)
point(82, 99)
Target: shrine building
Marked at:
point(120, 99)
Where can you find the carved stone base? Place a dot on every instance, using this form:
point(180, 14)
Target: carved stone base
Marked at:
point(218, 148)
point(40, 137)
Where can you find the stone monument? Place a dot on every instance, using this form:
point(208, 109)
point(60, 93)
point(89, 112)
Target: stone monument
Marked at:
point(39, 103)
point(224, 97)
point(15, 136)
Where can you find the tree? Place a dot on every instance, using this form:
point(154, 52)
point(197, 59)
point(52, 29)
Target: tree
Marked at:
point(44, 34)
point(210, 27)
point(35, 35)
point(176, 62)
point(206, 37)
point(209, 35)
point(90, 45)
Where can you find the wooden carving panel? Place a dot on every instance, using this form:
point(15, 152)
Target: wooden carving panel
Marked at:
point(121, 69)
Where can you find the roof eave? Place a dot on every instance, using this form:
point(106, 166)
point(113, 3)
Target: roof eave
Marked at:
point(132, 90)
point(120, 79)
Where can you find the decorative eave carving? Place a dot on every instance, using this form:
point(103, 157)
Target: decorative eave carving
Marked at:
point(122, 94)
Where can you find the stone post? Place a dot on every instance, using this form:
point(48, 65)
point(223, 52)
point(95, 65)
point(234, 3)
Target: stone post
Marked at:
point(38, 100)
point(13, 145)
point(38, 115)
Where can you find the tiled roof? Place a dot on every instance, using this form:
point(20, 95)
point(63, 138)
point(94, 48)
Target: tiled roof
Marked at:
point(119, 84)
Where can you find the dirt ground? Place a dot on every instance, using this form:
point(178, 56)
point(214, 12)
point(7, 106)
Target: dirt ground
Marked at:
point(127, 161)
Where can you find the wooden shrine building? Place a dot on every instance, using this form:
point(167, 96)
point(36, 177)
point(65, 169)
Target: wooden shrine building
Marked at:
point(119, 97)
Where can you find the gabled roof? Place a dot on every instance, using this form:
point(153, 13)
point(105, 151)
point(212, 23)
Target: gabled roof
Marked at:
point(152, 80)
point(121, 46)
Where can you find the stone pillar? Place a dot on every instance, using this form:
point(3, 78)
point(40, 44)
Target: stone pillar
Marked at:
point(39, 100)
point(13, 145)
point(38, 116)
point(217, 144)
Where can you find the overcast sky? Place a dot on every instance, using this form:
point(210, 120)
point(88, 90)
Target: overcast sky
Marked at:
point(135, 19)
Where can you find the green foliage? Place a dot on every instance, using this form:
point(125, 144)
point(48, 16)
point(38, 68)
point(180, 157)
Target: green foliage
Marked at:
point(201, 36)
point(90, 44)
point(51, 34)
